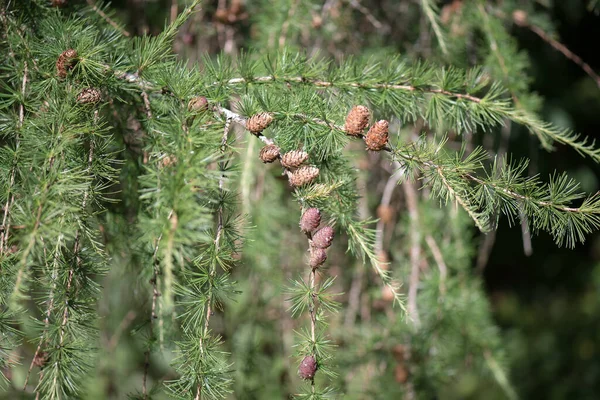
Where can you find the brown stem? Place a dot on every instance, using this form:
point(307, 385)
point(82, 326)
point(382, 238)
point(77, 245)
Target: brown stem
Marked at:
point(410, 192)
point(103, 15)
point(439, 259)
point(524, 23)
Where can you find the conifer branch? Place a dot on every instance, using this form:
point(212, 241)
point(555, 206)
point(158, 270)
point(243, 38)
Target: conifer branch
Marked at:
point(153, 316)
point(546, 205)
point(217, 245)
point(49, 309)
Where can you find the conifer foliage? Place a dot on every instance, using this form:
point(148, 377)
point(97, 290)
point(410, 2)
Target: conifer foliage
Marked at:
point(118, 158)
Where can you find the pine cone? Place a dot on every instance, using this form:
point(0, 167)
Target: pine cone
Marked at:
point(89, 95)
point(303, 176)
point(377, 137)
point(65, 61)
point(198, 104)
point(59, 3)
point(310, 220)
point(357, 120)
point(40, 359)
point(269, 153)
point(259, 122)
point(323, 238)
point(294, 158)
point(317, 257)
point(308, 368)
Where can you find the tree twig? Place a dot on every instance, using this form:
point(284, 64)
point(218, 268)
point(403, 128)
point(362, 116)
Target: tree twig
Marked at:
point(103, 15)
point(439, 259)
point(519, 17)
point(410, 192)
point(217, 244)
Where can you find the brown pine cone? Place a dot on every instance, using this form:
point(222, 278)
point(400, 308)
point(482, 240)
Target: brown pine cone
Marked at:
point(294, 158)
point(59, 3)
point(40, 359)
point(198, 104)
point(259, 122)
point(65, 61)
point(89, 95)
point(323, 237)
point(303, 176)
point(310, 220)
point(269, 153)
point(377, 137)
point(317, 257)
point(308, 368)
point(357, 120)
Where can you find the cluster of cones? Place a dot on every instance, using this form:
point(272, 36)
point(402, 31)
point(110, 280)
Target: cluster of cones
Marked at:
point(320, 240)
point(292, 161)
point(357, 121)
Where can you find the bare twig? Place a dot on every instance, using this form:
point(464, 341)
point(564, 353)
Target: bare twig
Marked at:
point(386, 199)
point(370, 17)
point(520, 18)
point(410, 192)
point(286, 23)
point(103, 15)
point(147, 104)
point(439, 259)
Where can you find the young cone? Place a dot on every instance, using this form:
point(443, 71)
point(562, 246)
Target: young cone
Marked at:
point(303, 175)
point(89, 95)
point(307, 368)
point(317, 257)
point(259, 122)
point(294, 158)
point(269, 153)
point(377, 137)
point(198, 104)
point(357, 120)
point(323, 238)
point(310, 220)
point(65, 61)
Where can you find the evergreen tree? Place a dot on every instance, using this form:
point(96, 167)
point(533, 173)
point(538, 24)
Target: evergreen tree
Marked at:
point(149, 249)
